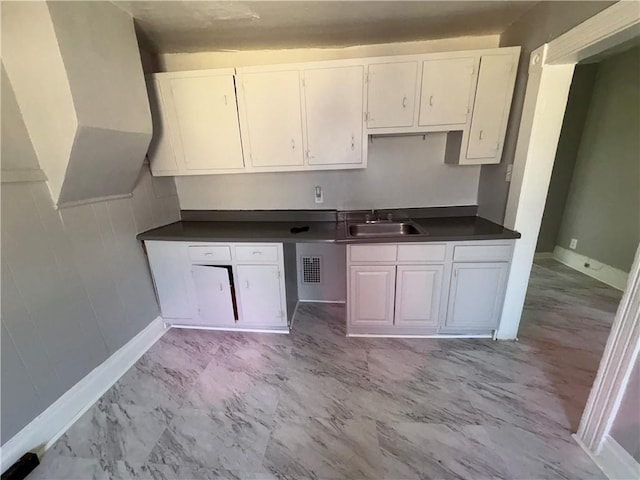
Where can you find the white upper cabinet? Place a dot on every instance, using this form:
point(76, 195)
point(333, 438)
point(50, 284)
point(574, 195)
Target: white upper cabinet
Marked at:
point(447, 91)
point(333, 104)
point(196, 126)
point(491, 109)
point(391, 94)
point(271, 118)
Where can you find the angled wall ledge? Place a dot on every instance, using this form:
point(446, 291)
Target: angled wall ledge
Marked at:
point(77, 75)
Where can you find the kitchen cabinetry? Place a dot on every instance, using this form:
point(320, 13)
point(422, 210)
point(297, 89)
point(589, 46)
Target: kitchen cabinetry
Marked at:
point(391, 94)
point(260, 295)
point(271, 119)
point(447, 91)
point(333, 105)
point(427, 288)
point(491, 109)
point(476, 296)
point(196, 122)
point(371, 294)
point(418, 290)
point(220, 286)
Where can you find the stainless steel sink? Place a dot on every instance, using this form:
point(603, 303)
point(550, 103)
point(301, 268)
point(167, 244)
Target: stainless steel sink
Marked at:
point(382, 229)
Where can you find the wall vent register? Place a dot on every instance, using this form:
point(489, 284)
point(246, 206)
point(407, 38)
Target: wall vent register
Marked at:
point(311, 270)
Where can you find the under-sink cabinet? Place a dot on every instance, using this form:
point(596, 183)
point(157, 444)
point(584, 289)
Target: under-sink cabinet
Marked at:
point(452, 288)
point(237, 286)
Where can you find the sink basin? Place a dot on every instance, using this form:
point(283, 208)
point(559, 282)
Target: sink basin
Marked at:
point(382, 229)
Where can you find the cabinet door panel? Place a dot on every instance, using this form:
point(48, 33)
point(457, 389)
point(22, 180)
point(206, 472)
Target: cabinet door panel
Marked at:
point(273, 118)
point(371, 295)
point(476, 296)
point(213, 294)
point(391, 94)
point(446, 91)
point(170, 264)
point(492, 104)
point(418, 290)
point(333, 100)
point(260, 295)
point(162, 157)
point(207, 122)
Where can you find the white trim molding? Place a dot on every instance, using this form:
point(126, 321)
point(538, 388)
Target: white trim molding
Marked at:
point(616, 365)
point(51, 424)
point(613, 460)
point(613, 26)
point(612, 276)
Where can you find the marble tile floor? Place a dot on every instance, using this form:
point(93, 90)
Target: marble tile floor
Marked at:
point(318, 405)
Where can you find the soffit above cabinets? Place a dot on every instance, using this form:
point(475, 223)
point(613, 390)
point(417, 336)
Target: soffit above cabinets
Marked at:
point(191, 26)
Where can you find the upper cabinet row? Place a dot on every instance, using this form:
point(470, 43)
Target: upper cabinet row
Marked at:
point(318, 116)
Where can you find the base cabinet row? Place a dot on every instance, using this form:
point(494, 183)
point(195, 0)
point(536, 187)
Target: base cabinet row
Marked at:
point(236, 286)
point(414, 296)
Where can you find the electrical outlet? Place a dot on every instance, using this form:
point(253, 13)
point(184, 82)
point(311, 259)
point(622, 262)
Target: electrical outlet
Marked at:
point(318, 195)
point(573, 244)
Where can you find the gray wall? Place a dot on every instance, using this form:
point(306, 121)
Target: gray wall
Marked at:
point(75, 282)
point(334, 272)
point(568, 145)
point(603, 205)
point(544, 22)
point(626, 426)
point(404, 171)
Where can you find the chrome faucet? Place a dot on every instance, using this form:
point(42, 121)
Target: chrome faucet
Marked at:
point(374, 217)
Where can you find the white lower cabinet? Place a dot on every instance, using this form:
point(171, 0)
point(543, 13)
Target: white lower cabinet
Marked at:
point(260, 292)
point(418, 290)
point(371, 294)
point(427, 288)
point(476, 296)
point(215, 285)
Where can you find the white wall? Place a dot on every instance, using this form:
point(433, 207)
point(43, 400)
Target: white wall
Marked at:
point(172, 62)
point(333, 286)
point(402, 172)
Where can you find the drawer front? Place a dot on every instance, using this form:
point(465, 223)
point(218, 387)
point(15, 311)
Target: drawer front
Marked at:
point(372, 253)
point(482, 253)
point(422, 253)
point(257, 253)
point(210, 254)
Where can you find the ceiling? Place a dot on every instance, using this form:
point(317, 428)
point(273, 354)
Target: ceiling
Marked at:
point(191, 26)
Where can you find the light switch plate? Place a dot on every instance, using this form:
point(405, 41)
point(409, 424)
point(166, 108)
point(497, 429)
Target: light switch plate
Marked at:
point(573, 244)
point(318, 194)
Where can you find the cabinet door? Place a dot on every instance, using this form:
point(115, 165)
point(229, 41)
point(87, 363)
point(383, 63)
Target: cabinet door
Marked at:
point(492, 104)
point(334, 114)
point(206, 131)
point(162, 156)
point(391, 94)
point(273, 119)
point(371, 295)
point(476, 295)
point(418, 290)
point(446, 91)
point(213, 294)
point(169, 262)
point(260, 295)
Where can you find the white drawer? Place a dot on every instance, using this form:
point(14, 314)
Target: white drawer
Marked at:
point(257, 253)
point(481, 253)
point(422, 253)
point(210, 254)
point(372, 253)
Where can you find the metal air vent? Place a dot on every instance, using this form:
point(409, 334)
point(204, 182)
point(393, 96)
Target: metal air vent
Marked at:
point(311, 270)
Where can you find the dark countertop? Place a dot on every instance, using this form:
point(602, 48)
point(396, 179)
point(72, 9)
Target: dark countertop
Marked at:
point(456, 228)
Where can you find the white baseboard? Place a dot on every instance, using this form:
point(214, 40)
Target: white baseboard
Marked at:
point(613, 460)
point(606, 274)
point(542, 255)
point(51, 424)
